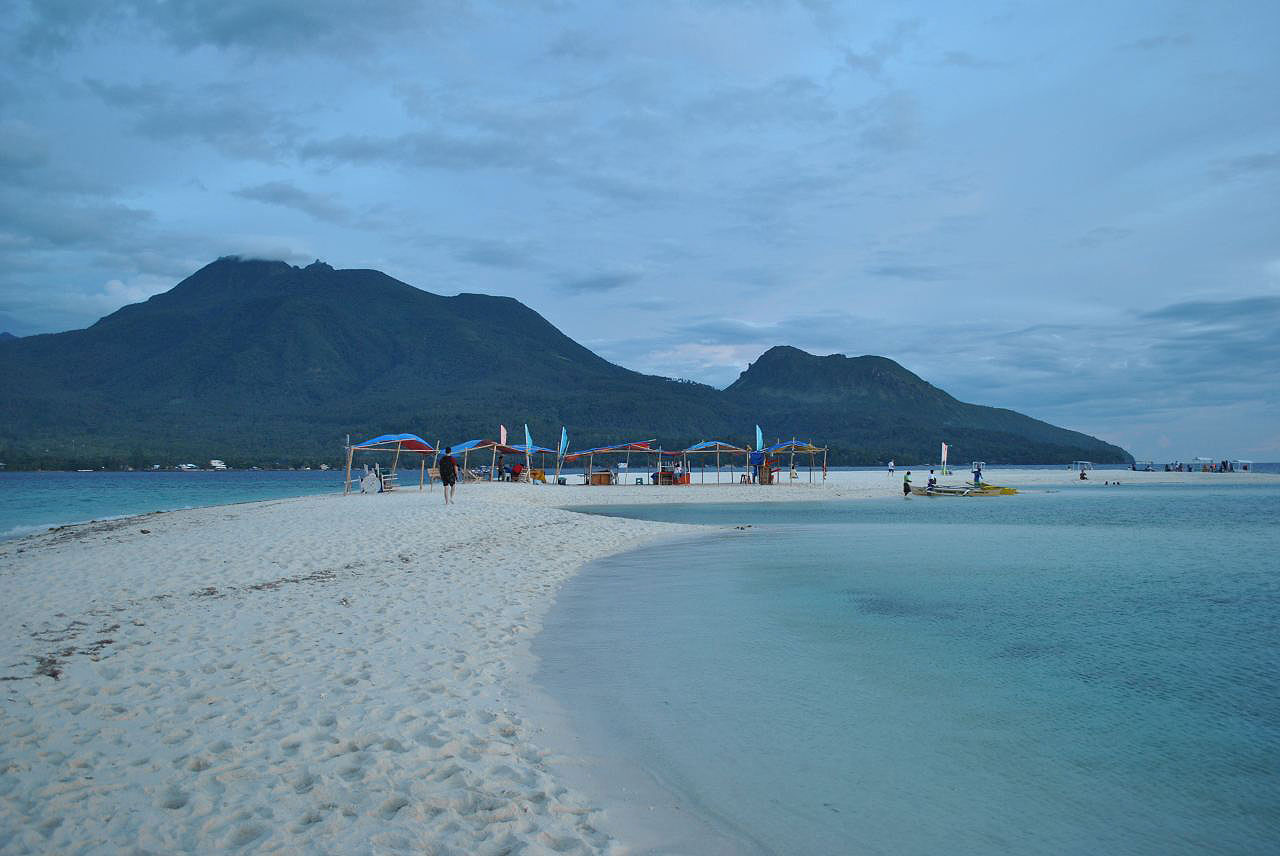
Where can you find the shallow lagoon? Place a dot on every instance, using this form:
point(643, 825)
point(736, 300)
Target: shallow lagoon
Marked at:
point(1074, 671)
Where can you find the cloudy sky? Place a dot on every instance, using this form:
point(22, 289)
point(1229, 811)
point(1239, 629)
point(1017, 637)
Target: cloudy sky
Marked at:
point(1071, 209)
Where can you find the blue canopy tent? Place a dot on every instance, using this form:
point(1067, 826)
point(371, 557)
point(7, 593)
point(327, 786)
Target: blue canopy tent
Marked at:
point(794, 447)
point(718, 448)
point(641, 446)
point(391, 443)
point(467, 447)
point(528, 450)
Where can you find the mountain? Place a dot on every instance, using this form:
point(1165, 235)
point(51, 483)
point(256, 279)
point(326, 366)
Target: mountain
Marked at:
point(884, 411)
point(6, 336)
point(260, 361)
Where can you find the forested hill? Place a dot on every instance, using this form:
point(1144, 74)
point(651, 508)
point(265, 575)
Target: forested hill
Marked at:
point(885, 411)
point(263, 362)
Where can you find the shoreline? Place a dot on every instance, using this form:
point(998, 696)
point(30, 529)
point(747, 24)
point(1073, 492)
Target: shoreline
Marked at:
point(324, 672)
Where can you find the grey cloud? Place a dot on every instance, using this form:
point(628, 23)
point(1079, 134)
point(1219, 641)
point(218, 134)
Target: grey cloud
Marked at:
point(1102, 235)
point(61, 222)
point(920, 273)
point(225, 117)
point(873, 60)
point(964, 59)
point(794, 99)
point(578, 45)
point(826, 331)
point(889, 123)
point(1151, 43)
point(21, 145)
point(599, 282)
point(497, 254)
point(1247, 165)
point(1263, 309)
point(426, 149)
point(253, 25)
point(286, 195)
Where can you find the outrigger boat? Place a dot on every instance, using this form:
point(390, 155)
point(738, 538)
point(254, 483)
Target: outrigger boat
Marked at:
point(966, 489)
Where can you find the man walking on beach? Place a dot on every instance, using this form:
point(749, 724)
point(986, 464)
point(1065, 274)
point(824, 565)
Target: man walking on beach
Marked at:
point(906, 484)
point(448, 474)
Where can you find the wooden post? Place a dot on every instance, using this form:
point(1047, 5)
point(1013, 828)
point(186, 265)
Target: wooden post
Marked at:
point(493, 462)
point(395, 461)
point(824, 464)
point(422, 472)
point(717, 465)
point(346, 489)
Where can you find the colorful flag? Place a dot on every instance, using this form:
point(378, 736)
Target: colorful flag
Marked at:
point(502, 435)
point(528, 441)
point(564, 440)
point(759, 439)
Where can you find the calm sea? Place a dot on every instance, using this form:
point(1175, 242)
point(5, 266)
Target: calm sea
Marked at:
point(1092, 670)
point(32, 502)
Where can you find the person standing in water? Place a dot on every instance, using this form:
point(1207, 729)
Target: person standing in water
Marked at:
point(906, 484)
point(448, 466)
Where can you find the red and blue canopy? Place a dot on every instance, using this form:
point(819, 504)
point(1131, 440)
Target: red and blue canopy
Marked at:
point(639, 446)
point(391, 442)
point(715, 446)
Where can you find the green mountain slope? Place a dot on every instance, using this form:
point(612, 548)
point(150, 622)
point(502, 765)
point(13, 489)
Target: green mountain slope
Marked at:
point(874, 409)
point(257, 361)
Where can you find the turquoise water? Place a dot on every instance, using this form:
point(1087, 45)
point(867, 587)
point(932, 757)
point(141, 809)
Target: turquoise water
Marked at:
point(35, 501)
point(1085, 671)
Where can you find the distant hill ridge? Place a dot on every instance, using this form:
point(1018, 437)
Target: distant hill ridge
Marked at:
point(261, 361)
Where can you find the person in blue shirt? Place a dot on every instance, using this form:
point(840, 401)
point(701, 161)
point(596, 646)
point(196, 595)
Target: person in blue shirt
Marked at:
point(757, 459)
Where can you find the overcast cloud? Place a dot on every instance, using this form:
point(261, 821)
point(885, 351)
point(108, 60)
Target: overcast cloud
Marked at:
point(1067, 209)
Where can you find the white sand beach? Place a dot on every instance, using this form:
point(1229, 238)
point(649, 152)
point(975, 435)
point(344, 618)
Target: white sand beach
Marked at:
point(327, 674)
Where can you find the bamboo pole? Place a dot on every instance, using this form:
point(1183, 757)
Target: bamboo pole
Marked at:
point(493, 462)
point(346, 488)
point(395, 462)
point(422, 472)
point(717, 465)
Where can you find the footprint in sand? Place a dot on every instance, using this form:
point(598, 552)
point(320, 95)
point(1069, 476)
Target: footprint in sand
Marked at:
point(174, 798)
point(391, 807)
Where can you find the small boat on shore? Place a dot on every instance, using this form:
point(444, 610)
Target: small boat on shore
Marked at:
point(967, 489)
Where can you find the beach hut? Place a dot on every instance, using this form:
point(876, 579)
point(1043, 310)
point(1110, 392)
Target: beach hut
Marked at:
point(466, 447)
point(395, 444)
point(528, 451)
point(589, 474)
point(796, 447)
point(721, 450)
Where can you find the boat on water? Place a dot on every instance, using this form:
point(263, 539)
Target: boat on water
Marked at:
point(966, 489)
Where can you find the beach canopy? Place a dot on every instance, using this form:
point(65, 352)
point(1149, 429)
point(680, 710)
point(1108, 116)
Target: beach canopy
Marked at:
point(796, 446)
point(715, 446)
point(523, 448)
point(392, 442)
point(459, 448)
point(638, 446)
